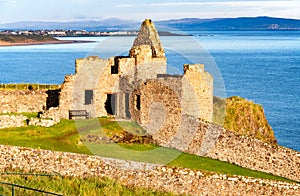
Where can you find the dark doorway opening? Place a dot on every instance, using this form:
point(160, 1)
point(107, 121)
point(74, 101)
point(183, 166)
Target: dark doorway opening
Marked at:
point(127, 106)
point(110, 104)
point(52, 99)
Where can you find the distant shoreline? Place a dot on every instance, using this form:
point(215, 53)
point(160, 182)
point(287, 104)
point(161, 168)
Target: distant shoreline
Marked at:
point(5, 44)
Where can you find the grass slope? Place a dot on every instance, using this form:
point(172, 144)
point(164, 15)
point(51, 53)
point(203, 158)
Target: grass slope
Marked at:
point(71, 186)
point(66, 136)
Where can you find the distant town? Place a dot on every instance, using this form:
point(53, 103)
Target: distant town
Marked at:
point(68, 33)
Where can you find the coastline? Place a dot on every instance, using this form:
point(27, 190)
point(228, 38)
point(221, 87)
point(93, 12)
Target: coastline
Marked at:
point(6, 44)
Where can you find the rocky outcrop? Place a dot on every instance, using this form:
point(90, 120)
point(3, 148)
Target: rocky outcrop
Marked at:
point(248, 118)
point(243, 117)
point(157, 177)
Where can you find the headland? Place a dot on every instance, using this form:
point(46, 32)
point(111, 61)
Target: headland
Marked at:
point(25, 40)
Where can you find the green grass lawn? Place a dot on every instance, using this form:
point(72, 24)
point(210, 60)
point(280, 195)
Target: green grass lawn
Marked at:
point(67, 136)
point(71, 186)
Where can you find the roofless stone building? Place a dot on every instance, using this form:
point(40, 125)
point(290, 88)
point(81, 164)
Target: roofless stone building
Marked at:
point(137, 86)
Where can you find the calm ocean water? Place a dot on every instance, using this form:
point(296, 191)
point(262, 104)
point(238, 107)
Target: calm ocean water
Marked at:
point(260, 66)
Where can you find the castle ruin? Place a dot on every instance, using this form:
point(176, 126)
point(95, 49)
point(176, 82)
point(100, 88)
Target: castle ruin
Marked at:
point(137, 86)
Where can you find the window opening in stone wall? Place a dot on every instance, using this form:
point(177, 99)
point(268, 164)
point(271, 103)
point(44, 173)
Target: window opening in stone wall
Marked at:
point(110, 104)
point(127, 106)
point(138, 102)
point(88, 97)
point(115, 68)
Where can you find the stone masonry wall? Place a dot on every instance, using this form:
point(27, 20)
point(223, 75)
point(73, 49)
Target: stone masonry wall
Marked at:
point(12, 121)
point(256, 154)
point(22, 100)
point(205, 139)
point(197, 92)
point(157, 177)
point(159, 107)
point(8, 121)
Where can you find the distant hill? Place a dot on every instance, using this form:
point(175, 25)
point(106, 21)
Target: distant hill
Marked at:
point(110, 24)
point(245, 23)
point(115, 24)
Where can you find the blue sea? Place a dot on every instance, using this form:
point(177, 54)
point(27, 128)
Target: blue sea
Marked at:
point(262, 66)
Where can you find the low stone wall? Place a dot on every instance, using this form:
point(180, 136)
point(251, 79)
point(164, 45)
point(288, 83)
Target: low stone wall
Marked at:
point(28, 100)
point(22, 100)
point(157, 177)
point(205, 139)
point(255, 154)
point(7, 121)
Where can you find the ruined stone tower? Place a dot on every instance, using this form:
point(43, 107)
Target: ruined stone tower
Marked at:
point(148, 36)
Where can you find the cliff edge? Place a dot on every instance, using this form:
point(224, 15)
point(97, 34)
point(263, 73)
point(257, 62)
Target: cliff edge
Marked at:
point(244, 117)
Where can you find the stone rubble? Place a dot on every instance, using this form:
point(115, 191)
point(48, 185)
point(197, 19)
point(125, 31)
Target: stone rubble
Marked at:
point(43, 122)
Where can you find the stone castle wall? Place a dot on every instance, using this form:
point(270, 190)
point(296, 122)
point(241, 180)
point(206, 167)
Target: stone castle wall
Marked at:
point(205, 139)
point(12, 121)
point(255, 154)
point(160, 107)
point(22, 101)
point(197, 95)
point(157, 177)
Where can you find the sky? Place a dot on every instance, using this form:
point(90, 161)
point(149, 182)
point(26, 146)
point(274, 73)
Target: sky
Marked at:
point(73, 10)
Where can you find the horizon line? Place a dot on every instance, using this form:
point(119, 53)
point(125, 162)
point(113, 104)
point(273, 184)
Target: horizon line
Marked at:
point(102, 19)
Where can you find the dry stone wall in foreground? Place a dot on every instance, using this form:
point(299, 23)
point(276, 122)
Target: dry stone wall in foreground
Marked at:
point(157, 177)
point(206, 139)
